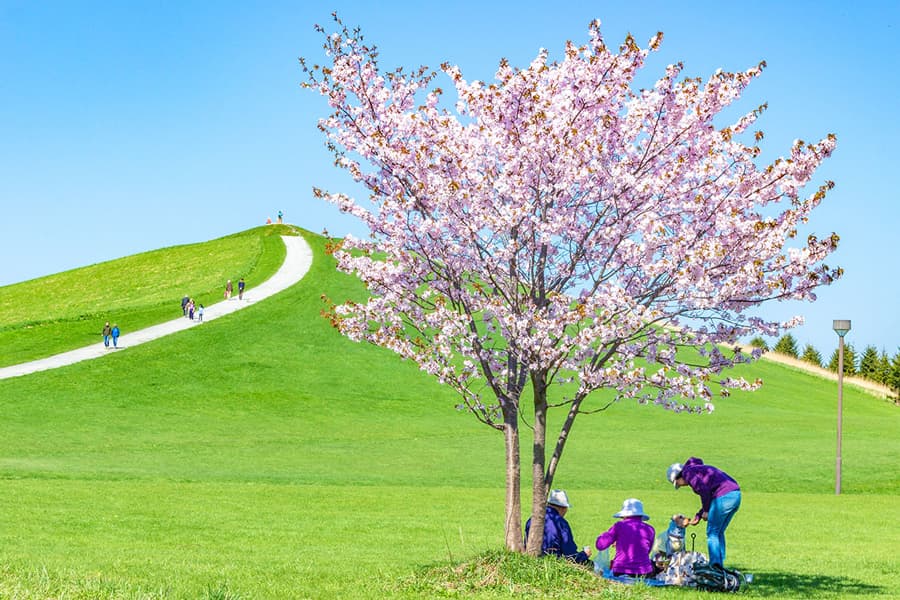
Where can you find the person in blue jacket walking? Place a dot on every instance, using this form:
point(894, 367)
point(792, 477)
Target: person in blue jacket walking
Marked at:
point(558, 539)
point(115, 335)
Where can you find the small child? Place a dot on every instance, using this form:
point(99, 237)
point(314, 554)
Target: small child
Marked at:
point(633, 539)
point(200, 313)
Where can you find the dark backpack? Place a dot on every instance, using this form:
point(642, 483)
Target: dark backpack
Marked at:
point(714, 578)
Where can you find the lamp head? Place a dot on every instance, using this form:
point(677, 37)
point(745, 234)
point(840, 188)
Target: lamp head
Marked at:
point(841, 327)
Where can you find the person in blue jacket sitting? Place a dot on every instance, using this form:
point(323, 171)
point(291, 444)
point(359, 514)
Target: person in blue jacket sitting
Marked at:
point(558, 540)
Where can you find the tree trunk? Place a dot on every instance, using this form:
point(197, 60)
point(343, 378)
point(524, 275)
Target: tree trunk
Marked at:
point(513, 480)
point(539, 489)
point(563, 437)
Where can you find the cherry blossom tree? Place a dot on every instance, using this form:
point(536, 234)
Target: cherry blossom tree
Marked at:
point(559, 226)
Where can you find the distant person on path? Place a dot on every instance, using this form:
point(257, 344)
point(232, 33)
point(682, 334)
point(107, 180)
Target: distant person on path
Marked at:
point(107, 331)
point(241, 285)
point(191, 309)
point(633, 539)
point(280, 217)
point(200, 313)
point(184, 301)
point(720, 496)
point(115, 335)
point(228, 289)
point(557, 533)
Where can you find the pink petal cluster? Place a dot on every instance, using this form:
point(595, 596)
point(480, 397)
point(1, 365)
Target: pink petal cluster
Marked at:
point(560, 223)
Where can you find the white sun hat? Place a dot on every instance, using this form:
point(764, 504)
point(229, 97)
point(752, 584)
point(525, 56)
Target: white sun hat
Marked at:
point(558, 498)
point(673, 472)
point(632, 507)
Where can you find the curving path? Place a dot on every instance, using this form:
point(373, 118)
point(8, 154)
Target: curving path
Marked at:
point(297, 261)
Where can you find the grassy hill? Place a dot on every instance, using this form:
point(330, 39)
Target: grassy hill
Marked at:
point(265, 456)
point(61, 312)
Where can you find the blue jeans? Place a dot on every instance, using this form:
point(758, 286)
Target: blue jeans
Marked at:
point(721, 510)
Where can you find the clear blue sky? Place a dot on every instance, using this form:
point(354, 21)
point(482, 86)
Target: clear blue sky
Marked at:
point(130, 126)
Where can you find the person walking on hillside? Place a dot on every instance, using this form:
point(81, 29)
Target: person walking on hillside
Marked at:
point(115, 335)
point(558, 540)
point(720, 497)
point(228, 289)
point(184, 301)
point(191, 309)
point(280, 217)
point(107, 331)
point(200, 313)
point(633, 539)
point(241, 285)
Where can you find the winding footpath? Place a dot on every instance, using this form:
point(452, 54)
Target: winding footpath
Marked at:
point(297, 260)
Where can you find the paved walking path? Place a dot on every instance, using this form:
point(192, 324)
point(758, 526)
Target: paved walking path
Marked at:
point(297, 261)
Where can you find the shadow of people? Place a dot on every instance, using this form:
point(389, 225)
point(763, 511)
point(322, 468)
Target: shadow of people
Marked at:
point(804, 585)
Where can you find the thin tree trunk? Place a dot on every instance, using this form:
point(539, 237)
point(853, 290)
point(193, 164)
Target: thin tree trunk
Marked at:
point(513, 480)
point(563, 437)
point(539, 489)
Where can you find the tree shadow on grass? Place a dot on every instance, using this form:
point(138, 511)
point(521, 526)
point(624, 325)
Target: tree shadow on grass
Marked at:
point(811, 586)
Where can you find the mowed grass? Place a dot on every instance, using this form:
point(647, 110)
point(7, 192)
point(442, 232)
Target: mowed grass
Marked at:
point(265, 456)
point(61, 312)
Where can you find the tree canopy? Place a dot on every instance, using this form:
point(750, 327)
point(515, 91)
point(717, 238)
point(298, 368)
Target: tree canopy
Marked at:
point(558, 226)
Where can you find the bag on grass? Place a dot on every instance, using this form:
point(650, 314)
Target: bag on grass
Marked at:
point(601, 562)
point(714, 578)
point(680, 570)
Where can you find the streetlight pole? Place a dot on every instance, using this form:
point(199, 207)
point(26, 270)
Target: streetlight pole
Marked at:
point(841, 328)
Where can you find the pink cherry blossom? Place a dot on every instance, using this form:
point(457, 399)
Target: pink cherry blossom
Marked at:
point(559, 227)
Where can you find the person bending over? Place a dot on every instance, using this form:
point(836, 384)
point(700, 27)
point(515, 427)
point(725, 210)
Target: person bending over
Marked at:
point(720, 497)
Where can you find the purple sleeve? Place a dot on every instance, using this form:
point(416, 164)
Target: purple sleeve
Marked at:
point(606, 539)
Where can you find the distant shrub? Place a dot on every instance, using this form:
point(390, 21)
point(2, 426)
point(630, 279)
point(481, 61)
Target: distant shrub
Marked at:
point(758, 342)
point(884, 368)
point(849, 360)
point(868, 363)
point(811, 355)
point(893, 379)
point(787, 345)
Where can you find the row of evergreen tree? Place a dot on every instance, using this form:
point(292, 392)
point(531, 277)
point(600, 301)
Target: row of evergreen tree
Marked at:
point(872, 365)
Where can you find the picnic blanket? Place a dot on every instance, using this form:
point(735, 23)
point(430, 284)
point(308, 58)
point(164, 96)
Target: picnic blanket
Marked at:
point(652, 581)
point(679, 572)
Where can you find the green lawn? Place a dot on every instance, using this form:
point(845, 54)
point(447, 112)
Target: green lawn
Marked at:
point(265, 456)
point(61, 312)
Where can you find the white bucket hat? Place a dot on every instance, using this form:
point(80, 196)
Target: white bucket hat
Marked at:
point(673, 472)
point(558, 498)
point(632, 507)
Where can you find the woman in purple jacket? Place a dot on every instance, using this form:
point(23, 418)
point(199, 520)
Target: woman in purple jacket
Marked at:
point(633, 539)
point(720, 496)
